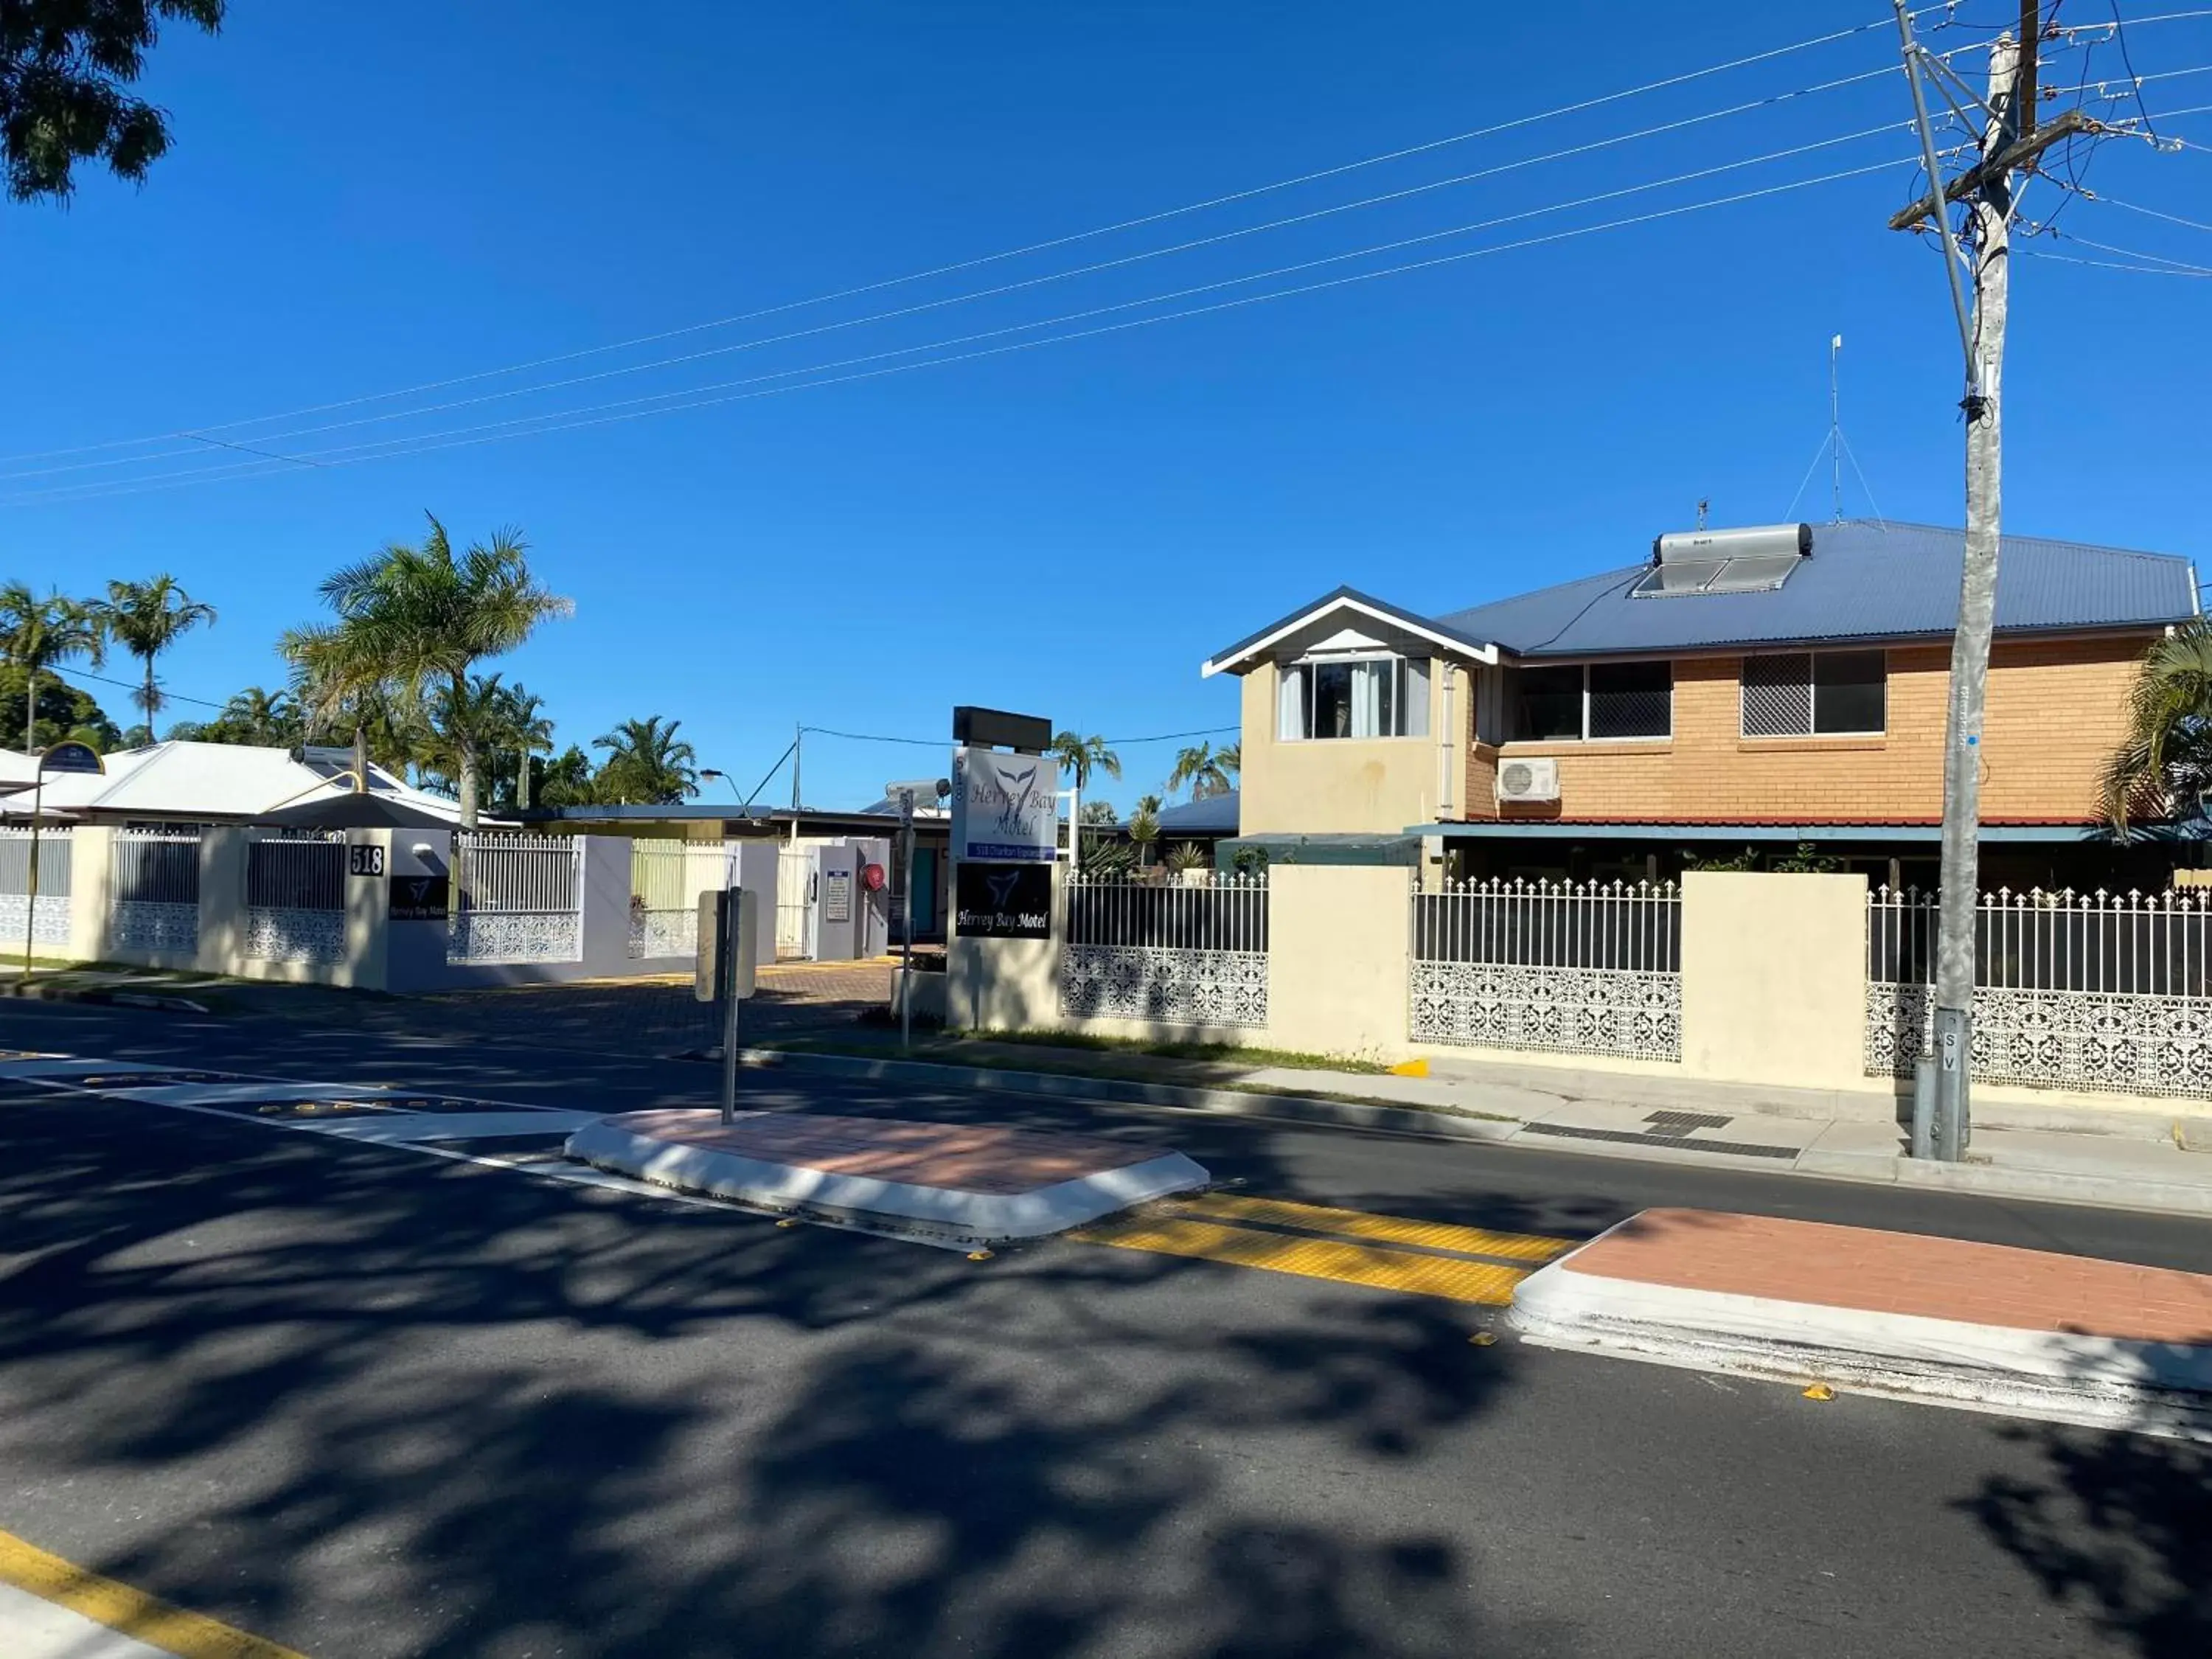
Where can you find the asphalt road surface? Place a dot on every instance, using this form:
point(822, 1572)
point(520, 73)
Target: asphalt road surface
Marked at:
point(367, 1402)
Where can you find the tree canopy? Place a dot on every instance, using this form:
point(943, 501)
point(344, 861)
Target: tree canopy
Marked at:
point(65, 69)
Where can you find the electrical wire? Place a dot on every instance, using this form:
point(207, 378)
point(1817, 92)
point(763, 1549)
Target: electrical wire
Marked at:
point(2137, 253)
point(628, 408)
point(1577, 107)
point(2114, 265)
point(2154, 213)
point(128, 685)
point(998, 291)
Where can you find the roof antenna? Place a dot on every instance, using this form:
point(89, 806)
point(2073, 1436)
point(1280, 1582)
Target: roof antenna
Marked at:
point(1703, 503)
point(1836, 429)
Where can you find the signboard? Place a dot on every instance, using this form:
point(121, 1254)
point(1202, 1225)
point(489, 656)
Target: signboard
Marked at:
point(712, 973)
point(1003, 900)
point(70, 758)
point(1005, 808)
point(420, 898)
point(983, 727)
point(365, 858)
point(836, 895)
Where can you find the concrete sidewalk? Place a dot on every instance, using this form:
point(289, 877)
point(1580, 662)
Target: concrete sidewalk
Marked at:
point(2024, 1333)
point(2123, 1158)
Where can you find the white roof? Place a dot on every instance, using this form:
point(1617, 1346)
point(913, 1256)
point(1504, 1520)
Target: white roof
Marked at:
point(205, 781)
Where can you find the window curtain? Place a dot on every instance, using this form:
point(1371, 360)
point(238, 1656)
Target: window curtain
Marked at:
point(1291, 701)
point(1370, 694)
point(1415, 702)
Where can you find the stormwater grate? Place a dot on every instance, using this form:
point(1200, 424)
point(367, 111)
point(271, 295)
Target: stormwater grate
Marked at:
point(1638, 1138)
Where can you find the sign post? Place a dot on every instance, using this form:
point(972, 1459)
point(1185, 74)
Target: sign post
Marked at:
point(58, 757)
point(724, 971)
point(906, 920)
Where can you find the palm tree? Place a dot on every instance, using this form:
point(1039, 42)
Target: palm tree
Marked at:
point(1201, 768)
point(2165, 762)
point(35, 633)
point(646, 763)
point(146, 618)
point(1080, 755)
point(256, 715)
point(527, 733)
point(1145, 826)
point(415, 621)
point(1229, 757)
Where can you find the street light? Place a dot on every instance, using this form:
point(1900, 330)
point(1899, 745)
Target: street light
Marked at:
point(716, 772)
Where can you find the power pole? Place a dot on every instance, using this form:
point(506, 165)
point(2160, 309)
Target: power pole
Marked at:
point(2009, 140)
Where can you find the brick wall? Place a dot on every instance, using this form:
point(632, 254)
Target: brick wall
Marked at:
point(2057, 709)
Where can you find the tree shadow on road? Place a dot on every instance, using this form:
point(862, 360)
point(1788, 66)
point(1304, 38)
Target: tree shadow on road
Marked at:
point(372, 1404)
point(2119, 1525)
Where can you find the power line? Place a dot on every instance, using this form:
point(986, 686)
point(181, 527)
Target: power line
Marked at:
point(1171, 737)
point(627, 409)
point(1491, 131)
point(2115, 265)
point(2171, 218)
point(2136, 254)
point(1593, 146)
point(128, 685)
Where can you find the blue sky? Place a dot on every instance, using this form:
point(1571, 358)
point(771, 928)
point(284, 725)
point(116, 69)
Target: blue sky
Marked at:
point(368, 198)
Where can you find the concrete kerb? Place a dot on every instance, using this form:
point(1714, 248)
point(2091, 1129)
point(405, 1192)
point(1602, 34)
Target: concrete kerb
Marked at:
point(2130, 1191)
point(2096, 1381)
point(99, 997)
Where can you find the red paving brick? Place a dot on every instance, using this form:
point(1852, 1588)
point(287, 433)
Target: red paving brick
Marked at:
point(1863, 1269)
point(958, 1158)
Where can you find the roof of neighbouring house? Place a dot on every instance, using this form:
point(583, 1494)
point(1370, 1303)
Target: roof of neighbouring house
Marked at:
point(1351, 602)
point(1863, 579)
point(1209, 815)
point(209, 781)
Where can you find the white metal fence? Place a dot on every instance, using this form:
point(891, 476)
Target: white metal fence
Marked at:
point(516, 898)
point(1578, 967)
point(295, 899)
point(156, 890)
point(49, 922)
point(1186, 951)
point(2091, 991)
point(666, 880)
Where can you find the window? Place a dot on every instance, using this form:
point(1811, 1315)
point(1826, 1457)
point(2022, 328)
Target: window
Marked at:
point(1354, 697)
point(1815, 694)
point(1605, 700)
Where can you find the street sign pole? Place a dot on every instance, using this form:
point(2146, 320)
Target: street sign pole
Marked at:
point(731, 942)
point(905, 925)
point(31, 905)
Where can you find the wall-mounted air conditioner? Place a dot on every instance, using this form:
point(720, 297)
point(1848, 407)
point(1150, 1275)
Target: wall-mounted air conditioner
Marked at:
point(1528, 780)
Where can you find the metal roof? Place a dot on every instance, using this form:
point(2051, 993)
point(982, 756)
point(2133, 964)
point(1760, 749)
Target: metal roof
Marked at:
point(1230, 659)
point(1210, 815)
point(1864, 580)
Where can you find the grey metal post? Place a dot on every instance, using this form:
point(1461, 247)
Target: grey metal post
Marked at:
point(906, 927)
point(31, 904)
point(1924, 1108)
point(729, 939)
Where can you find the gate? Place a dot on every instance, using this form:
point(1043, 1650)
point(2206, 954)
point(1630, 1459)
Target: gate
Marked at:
point(516, 898)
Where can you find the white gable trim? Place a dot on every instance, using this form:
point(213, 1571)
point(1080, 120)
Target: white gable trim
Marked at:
point(1446, 644)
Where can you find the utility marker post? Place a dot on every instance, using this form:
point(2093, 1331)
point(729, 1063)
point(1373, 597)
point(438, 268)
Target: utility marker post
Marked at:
point(723, 972)
point(906, 925)
point(2009, 141)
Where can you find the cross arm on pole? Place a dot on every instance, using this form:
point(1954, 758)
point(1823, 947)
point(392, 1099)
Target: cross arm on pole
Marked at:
point(2013, 156)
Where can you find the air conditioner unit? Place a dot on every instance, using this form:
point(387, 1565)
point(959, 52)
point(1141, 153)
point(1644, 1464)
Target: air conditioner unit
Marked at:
point(1529, 780)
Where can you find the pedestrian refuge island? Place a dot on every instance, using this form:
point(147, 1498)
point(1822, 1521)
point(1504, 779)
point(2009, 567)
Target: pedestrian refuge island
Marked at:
point(960, 1186)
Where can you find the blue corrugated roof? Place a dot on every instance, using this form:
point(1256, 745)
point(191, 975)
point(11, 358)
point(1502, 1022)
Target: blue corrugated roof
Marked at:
point(1865, 580)
point(1211, 815)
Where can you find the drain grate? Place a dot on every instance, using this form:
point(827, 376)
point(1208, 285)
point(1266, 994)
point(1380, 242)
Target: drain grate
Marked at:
point(1681, 1123)
point(1638, 1138)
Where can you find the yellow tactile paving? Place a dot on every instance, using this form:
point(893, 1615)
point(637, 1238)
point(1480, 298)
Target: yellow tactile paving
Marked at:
point(1388, 1228)
point(1311, 1258)
point(134, 1613)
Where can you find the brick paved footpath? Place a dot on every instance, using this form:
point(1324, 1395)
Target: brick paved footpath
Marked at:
point(1864, 1270)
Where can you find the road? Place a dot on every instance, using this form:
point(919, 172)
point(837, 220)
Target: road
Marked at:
point(369, 1403)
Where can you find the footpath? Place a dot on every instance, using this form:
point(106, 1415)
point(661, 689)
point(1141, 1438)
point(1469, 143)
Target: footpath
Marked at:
point(2128, 1159)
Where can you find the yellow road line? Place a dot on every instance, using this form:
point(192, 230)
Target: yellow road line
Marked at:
point(134, 1613)
point(1311, 1258)
point(1390, 1229)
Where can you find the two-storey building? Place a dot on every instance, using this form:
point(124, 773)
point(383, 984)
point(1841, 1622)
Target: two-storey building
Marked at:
point(1771, 695)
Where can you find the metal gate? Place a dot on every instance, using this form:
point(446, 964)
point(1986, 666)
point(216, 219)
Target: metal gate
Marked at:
point(794, 895)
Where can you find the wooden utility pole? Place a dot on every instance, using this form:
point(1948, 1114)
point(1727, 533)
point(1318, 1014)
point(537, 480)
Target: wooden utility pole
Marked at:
point(2009, 141)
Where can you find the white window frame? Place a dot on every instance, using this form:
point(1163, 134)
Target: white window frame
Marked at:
point(1583, 735)
point(1812, 733)
point(1402, 702)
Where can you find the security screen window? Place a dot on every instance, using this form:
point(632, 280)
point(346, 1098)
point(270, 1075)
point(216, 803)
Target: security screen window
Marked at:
point(1604, 701)
point(1355, 697)
point(1816, 694)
